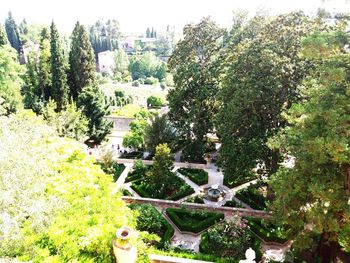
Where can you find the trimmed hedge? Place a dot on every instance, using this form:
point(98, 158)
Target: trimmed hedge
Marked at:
point(198, 176)
point(115, 169)
point(233, 203)
point(132, 155)
point(252, 197)
point(237, 181)
point(194, 222)
point(145, 189)
point(268, 232)
point(136, 175)
point(195, 199)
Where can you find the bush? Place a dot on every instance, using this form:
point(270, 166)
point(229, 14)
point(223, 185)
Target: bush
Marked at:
point(132, 155)
point(233, 182)
point(139, 171)
point(155, 101)
point(198, 176)
point(192, 221)
point(149, 190)
point(252, 197)
point(150, 220)
point(268, 231)
point(195, 199)
point(151, 81)
point(233, 203)
point(135, 83)
point(163, 85)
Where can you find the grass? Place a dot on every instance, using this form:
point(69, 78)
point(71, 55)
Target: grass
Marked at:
point(193, 221)
point(198, 176)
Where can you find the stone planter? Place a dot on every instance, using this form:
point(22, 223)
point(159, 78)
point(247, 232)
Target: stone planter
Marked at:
point(124, 250)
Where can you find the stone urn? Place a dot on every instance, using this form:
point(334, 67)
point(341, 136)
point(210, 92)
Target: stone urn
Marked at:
point(124, 250)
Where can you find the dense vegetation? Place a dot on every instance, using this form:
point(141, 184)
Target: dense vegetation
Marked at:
point(198, 176)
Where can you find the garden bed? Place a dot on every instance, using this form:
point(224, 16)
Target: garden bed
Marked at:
point(233, 182)
point(193, 221)
point(252, 197)
point(198, 176)
point(131, 155)
point(145, 189)
point(268, 231)
point(195, 199)
point(233, 203)
point(153, 222)
point(115, 169)
point(137, 174)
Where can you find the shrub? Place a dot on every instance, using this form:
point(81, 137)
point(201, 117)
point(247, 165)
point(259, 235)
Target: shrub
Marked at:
point(115, 169)
point(252, 197)
point(198, 176)
point(155, 101)
point(233, 203)
point(193, 221)
point(151, 81)
point(195, 199)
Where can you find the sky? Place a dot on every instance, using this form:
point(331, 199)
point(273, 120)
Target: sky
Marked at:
point(135, 16)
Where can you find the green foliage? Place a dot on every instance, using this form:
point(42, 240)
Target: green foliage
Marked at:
point(147, 65)
point(198, 176)
point(92, 100)
point(261, 79)
point(154, 101)
point(121, 99)
point(10, 81)
point(233, 203)
point(44, 67)
point(69, 122)
point(229, 239)
point(13, 33)
point(313, 196)
point(158, 132)
point(136, 137)
point(195, 64)
point(253, 196)
point(121, 60)
point(59, 89)
point(3, 37)
point(195, 199)
point(129, 110)
point(56, 205)
point(150, 220)
point(81, 61)
point(193, 221)
point(114, 169)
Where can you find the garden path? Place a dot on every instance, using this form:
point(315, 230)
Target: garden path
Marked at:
point(121, 180)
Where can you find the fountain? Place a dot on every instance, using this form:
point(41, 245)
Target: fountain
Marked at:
point(214, 193)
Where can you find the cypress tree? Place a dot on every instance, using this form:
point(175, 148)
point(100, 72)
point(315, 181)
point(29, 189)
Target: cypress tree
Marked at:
point(45, 64)
point(13, 33)
point(3, 37)
point(81, 61)
point(59, 90)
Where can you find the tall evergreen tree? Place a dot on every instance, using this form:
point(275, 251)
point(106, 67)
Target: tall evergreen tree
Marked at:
point(45, 77)
point(3, 37)
point(59, 91)
point(13, 33)
point(148, 33)
point(81, 61)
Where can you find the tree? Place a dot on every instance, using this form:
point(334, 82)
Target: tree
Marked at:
point(160, 131)
point(50, 207)
point(260, 82)
point(136, 137)
point(13, 33)
point(148, 33)
point(313, 196)
point(121, 64)
point(160, 173)
point(81, 61)
point(45, 76)
point(59, 89)
point(3, 37)
point(155, 101)
point(10, 81)
point(93, 102)
point(196, 67)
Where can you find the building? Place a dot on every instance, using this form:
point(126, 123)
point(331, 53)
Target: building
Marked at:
point(106, 62)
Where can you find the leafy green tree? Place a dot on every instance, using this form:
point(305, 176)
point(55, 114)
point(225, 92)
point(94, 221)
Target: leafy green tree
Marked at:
point(313, 196)
point(13, 33)
point(59, 89)
point(81, 61)
point(136, 137)
point(3, 37)
point(56, 204)
point(45, 76)
point(121, 64)
point(155, 101)
point(260, 83)
point(93, 102)
point(160, 131)
point(160, 173)
point(145, 66)
point(69, 122)
point(10, 81)
point(196, 67)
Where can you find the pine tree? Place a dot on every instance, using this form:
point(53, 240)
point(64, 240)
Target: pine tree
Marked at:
point(92, 100)
point(45, 77)
point(12, 33)
point(59, 91)
point(81, 61)
point(148, 33)
point(3, 37)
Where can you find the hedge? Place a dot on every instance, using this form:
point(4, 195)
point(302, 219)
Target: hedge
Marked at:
point(132, 155)
point(252, 197)
point(206, 219)
point(233, 203)
point(198, 176)
point(268, 232)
